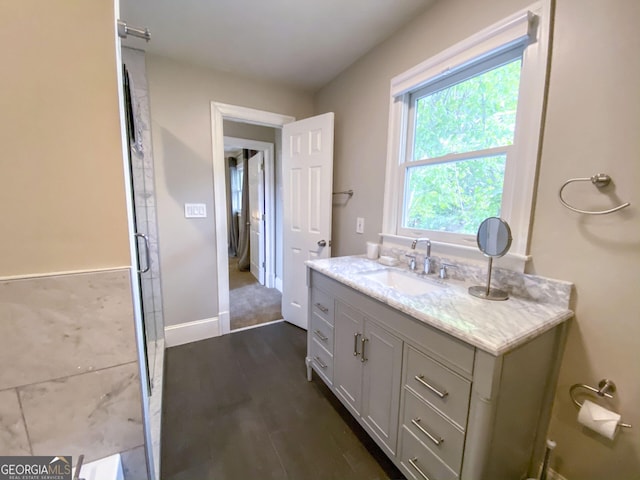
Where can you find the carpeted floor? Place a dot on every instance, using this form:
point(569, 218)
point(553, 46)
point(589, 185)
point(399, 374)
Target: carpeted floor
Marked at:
point(250, 302)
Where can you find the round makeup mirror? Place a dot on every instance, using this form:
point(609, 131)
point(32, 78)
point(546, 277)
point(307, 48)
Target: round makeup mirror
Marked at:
point(494, 237)
point(494, 240)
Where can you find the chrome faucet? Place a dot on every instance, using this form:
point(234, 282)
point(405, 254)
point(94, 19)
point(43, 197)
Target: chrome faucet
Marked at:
point(427, 258)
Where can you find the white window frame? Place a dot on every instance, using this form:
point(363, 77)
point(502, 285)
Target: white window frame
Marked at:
point(531, 24)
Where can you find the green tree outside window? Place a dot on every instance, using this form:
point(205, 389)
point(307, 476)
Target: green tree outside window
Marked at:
point(476, 114)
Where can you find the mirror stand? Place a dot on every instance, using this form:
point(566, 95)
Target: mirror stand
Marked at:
point(487, 292)
point(494, 239)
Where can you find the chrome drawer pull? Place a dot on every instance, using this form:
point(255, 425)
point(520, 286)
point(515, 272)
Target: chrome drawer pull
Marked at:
point(320, 363)
point(434, 439)
point(355, 344)
point(322, 308)
point(414, 463)
point(362, 357)
point(319, 334)
point(420, 378)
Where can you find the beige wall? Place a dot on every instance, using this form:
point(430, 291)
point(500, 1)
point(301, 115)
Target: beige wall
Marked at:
point(181, 95)
point(593, 125)
point(248, 131)
point(360, 99)
point(62, 199)
point(68, 340)
point(593, 122)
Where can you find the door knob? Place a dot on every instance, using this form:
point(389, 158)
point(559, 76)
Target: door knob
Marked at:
point(322, 243)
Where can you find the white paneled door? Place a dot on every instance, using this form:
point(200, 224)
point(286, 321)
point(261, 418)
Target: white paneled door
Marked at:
point(256, 215)
point(307, 165)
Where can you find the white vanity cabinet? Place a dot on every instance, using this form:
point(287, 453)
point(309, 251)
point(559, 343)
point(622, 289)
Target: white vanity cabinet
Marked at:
point(439, 407)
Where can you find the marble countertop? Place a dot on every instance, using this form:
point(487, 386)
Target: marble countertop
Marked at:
point(493, 326)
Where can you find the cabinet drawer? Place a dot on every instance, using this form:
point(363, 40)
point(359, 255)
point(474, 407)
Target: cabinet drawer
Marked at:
point(322, 305)
point(443, 389)
point(322, 331)
point(322, 361)
point(419, 463)
point(440, 435)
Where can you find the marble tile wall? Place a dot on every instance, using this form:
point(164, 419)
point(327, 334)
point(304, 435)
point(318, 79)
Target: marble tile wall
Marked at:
point(58, 326)
point(69, 382)
point(133, 463)
point(13, 433)
point(97, 414)
point(155, 408)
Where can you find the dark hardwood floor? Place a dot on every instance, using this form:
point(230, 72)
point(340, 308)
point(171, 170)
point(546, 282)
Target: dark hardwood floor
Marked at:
point(239, 407)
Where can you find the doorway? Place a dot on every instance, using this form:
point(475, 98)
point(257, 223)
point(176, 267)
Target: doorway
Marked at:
point(251, 226)
point(219, 113)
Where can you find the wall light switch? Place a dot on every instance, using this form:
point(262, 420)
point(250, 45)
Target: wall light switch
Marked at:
point(360, 225)
point(195, 210)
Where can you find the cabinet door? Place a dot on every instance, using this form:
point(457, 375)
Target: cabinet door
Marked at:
point(382, 352)
point(347, 375)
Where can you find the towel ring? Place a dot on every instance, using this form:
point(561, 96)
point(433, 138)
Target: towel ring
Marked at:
point(604, 387)
point(600, 180)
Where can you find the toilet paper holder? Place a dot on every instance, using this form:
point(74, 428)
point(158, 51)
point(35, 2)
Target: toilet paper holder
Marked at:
point(606, 388)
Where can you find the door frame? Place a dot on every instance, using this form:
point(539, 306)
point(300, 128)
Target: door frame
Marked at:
point(219, 113)
point(268, 151)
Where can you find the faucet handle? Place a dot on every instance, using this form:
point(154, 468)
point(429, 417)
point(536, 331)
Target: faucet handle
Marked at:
point(426, 267)
point(443, 269)
point(412, 261)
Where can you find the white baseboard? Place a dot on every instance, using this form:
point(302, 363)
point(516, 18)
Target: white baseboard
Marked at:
point(224, 324)
point(279, 284)
point(191, 331)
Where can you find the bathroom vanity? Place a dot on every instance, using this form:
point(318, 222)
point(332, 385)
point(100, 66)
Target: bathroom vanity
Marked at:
point(448, 385)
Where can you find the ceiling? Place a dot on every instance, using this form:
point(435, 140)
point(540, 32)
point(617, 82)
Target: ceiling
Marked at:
point(298, 43)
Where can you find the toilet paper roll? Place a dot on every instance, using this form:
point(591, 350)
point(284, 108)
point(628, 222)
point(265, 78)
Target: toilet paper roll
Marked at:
point(599, 419)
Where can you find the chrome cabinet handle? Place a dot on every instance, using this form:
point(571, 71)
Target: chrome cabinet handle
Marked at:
point(319, 334)
point(433, 438)
point(414, 463)
point(420, 378)
point(355, 344)
point(322, 308)
point(147, 251)
point(363, 342)
point(320, 362)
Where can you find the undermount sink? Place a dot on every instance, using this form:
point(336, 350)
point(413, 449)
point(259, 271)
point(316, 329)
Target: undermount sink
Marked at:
point(403, 282)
